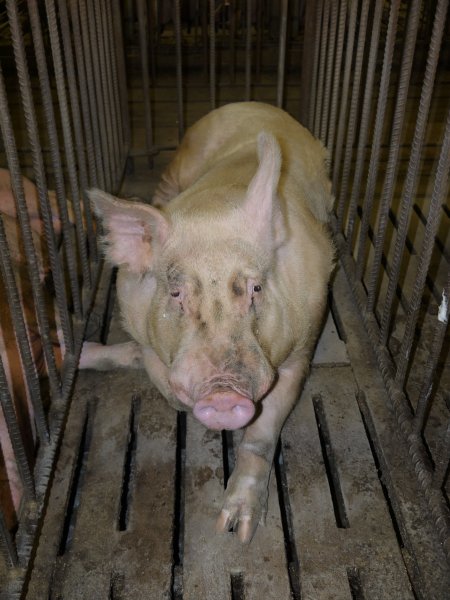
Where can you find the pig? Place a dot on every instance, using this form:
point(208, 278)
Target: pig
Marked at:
point(224, 286)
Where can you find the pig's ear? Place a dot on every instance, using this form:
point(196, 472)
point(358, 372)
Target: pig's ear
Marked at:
point(261, 204)
point(133, 231)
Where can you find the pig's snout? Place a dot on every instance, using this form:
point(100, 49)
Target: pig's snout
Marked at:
point(224, 410)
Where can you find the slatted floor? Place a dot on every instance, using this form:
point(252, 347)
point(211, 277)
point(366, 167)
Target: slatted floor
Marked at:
point(137, 489)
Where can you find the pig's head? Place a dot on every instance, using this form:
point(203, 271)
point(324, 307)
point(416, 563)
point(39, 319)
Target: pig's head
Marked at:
point(201, 284)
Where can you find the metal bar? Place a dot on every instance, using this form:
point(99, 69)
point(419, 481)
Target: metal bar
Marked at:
point(108, 94)
point(119, 53)
point(248, 51)
point(143, 45)
point(232, 45)
point(179, 69)
point(442, 460)
point(259, 34)
point(55, 263)
point(364, 123)
point(337, 152)
point(101, 93)
point(94, 161)
point(212, 53)
point(439, 509)
point(84, 61)
point(412, 175)
point(353, 113)
point(331, 55)
point(92, 58)
point(17, 187)
point(312, 111)
point(111, 42)
point(394, 148)
point(307, 61)
point(377, 136)
point(321, 76)
point(15, 435)
point(7, 544)
point(282, 53)
point(337, 76)
point(12, 294)
point(428, 381)
point(433, 220)
point(76, 121)
point(67, 135)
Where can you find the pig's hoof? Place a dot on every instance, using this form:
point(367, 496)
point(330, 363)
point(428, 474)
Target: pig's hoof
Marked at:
point(246, 525)
point(242, 512)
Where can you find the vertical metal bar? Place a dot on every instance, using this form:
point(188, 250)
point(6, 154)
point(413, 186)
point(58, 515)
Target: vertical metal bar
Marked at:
point(331, 55)
point(113, 88)
point(442, 461)
point(7, 273)
point(365, 119)
point(394, 148)
point(179, 69)
point(434, 214)
point(119, 53)
point(94, 161)
point(17, 187)
point(259, 34)
point(321, 77)
point(204, 5)
point(312, 112)
point(143, 45)
point(88, 23)
point(428, 381)
point(15, 436)
point(212, 53)
point(307, 61)
point(7, 544)
point(337, 76)
point(67, 135)
point(101, 91)
point(232, 46)
point(152, 28)
point(337, 154)
point(413, 166)
point(282, 53)
point(377, 136)
point(248, 51)
point(55, 263)
point(77, 128)
point(353, 113)
point(108, 95)
point(85, 65)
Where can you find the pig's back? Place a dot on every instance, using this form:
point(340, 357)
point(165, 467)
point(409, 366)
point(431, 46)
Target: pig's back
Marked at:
point(229, 133)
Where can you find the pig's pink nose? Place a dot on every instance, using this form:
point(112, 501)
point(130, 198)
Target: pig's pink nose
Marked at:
point(224, 410)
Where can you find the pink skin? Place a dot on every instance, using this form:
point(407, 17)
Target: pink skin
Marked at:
point(220, 381)
point(224, 410)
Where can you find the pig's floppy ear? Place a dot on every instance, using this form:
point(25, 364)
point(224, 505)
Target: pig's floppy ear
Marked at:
point(133, 231)
point(261, 203)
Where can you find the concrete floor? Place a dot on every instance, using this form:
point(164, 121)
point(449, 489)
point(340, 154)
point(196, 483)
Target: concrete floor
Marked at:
point(137, 489)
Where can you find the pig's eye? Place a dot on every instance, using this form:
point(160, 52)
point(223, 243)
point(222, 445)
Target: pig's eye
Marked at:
point(257, 288)
point(175, 294)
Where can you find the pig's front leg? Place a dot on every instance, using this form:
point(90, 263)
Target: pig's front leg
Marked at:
point(245, 502)
point(103, 358)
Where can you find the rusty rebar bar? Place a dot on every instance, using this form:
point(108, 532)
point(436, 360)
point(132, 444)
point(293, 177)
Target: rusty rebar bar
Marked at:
point(337, 151)
point(413, 171)
point(282, 52)
point(367, 205)
point(394, 149)
point(330, 63)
